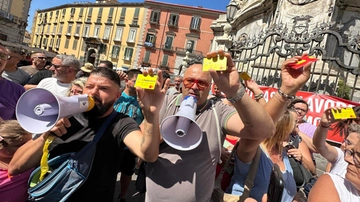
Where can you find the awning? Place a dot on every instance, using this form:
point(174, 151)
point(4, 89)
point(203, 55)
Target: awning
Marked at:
point(28, 49)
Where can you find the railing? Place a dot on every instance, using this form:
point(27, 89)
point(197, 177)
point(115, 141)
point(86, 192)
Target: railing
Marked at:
point(335, 73)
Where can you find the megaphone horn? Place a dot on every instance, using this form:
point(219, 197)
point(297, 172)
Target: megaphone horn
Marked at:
point(38, 110)
point(180, 131)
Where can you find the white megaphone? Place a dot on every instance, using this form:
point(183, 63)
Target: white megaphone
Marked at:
point(38, 110)
point(180, 131)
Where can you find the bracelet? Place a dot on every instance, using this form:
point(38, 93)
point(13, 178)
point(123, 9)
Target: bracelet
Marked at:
point(239, 94)
point(290, 97)
point(259, 96)
point(324, 126)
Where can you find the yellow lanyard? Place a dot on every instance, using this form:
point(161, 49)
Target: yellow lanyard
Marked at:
point(44, 166)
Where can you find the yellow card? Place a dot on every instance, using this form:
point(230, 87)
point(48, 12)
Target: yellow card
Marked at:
point(244, 76)
point(345, 113)
point(218, 64)
point(146, 82)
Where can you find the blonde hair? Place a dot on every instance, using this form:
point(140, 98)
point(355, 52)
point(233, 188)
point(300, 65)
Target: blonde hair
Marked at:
point(11, 132)
point(79, 82)
point(284, 126)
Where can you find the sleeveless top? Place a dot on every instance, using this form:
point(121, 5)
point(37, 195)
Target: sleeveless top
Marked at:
point(261, 180)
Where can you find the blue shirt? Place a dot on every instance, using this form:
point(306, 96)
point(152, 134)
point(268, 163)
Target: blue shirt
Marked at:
point(129, 105)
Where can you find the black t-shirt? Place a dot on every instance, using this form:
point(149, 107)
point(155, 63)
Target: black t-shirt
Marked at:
point(40, 75)
point(100, 184)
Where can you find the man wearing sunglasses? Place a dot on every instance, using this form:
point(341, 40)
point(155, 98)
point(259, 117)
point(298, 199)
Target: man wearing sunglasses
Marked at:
point(38, 60)
point(10, 92)
point(189, 175)
point(11, 71)
point(65, 68)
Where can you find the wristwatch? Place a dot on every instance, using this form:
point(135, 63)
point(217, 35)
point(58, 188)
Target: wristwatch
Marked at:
point(239, 94)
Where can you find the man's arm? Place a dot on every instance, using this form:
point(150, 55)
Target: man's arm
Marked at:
point(27, 156)
point(145, 144)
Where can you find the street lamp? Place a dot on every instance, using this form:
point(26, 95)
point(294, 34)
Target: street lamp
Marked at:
point(231, 10)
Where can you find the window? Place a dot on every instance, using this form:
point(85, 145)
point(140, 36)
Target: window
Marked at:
point(150, 39)
point(38, 29)
point(67, 43)
point(72, 12)
point(132, 35)
point(61, 28)
point(147, 57)
point(118, 34)
point(168, 42)
point(173, 20)
point(86, 31)
point(155, 17)
point(98, 20)
point(122, 16)
point(44, 41)
point(128, 53)
point(54, 29)
point(190, 45)
point(51, 42)
point(83, 46)
point(63, 12)
point(88, 19)
point(81, 12)
point(69, 28)
point(107, 32)
point(48, 29)
point(110, 15)
point(195, 23)
point(75, 44)
point(164, 61)
point(57, 43)
point(115, 52)
point(77, 31)
point(96, 31)
point(136, 16)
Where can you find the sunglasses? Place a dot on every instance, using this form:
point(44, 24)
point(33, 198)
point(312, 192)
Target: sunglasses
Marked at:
point(4, 56)
point(188, 83)
point(57, 66)
point(41, 58)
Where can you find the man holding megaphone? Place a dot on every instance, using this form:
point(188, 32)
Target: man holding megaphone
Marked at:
point(103, 85)
point(183, 171)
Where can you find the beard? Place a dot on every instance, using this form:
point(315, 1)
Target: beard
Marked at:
point(99, 109)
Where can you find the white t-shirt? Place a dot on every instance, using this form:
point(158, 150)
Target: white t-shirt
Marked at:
point(347, 192)
point(54, 86)
point(338, 166)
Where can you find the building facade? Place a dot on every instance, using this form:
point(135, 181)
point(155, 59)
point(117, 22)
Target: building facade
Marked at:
point(104, 30)
point(171, 30)
point(13, 20)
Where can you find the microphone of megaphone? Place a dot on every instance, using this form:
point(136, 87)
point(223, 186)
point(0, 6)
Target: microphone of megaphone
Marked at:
point(180, 131)
point(38, 110)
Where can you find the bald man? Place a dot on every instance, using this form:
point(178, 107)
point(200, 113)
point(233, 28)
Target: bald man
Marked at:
point(189, 175)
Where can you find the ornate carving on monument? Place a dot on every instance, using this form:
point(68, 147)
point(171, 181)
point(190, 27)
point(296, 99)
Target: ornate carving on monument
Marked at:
point(301, 2)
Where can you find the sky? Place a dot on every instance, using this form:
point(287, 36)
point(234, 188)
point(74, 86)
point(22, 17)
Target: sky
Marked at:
point(40, 4)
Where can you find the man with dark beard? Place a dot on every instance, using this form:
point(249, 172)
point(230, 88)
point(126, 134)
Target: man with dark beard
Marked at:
point(74, 133)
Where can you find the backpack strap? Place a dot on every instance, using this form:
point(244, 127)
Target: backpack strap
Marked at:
point(217, 128)
point(249, 182)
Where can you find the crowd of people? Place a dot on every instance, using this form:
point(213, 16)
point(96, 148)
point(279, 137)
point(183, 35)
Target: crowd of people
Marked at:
point(237, 130)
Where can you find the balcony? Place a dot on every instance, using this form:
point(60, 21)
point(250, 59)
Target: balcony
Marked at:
point(192, 52)
point(146, 64)
point(167, 48)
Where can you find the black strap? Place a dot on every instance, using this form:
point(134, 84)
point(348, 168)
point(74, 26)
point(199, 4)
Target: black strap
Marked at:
point(102, 129)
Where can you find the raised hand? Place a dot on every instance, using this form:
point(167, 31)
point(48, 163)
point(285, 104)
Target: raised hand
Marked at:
point(327, 118)
point(227, 81)
point(292, 79)
point(253, 86)
point(151, 101)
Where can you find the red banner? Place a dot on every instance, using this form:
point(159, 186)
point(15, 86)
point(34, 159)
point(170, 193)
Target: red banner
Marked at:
point(317, 105)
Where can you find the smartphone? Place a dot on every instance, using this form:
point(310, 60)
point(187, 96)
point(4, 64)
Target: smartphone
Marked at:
point(289, 146)
point(276, 185)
